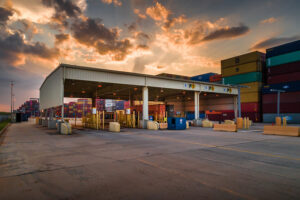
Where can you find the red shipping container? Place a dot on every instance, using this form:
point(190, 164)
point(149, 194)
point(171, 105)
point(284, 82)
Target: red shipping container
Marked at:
point(215, 78)
point(284, 107)
point(229, 115)
point(285, 97)
point(284, 69)
point(250, 107)
point(282, 78)
point(254, 116)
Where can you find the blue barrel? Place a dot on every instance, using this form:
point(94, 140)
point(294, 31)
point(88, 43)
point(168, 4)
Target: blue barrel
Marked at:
point(176, 123)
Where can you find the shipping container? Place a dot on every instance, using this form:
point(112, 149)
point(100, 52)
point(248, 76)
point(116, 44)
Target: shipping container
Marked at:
point(284, 107)
point(242, 59)
point(244, 78)
point(250, 97)
point(292, 118)
point(215, 78)
point(251, 107)
point(283, 49)
point(253, 87)
point(287, 87)
point(243, 68)
point(203, 77)
point(229, 115)
point(282, 78)
point(285, 97)
point(283, 59)
point(284, 69)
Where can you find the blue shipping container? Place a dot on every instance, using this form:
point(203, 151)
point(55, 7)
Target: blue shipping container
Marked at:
point(203, 77)
point(287, 87)
point(176, 123)
point(282, 49)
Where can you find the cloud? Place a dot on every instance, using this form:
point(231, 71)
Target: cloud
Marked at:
point(13, 49)
point(139, 14)
point(224, 33)
point(115, 2)
point(270, 20)
point(4, 15)
point(274, 41)
point(60, 38)
point(92, 33)
point(157, 12)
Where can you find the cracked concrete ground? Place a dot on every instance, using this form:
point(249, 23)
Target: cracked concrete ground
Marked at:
point(37, 163)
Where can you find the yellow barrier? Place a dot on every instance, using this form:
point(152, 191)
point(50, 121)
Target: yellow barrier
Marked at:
point(225, 127)
point(229, 122)
point(207, 124)
point(278, 121)
point(239, 123)
point(163, 125)
point(282, 130)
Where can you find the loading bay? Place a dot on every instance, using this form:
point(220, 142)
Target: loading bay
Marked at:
point(38, 163)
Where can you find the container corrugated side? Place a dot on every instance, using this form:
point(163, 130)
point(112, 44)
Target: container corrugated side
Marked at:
point(242, 69)
point(253, 87)
point(287, 87)
point(284, 69)
point(250, 97)
point(284, 107)
point(285, 97)
point(283, 59)
point(242, 59)
point(282, 78)
point(283, 49)
point(244, 78)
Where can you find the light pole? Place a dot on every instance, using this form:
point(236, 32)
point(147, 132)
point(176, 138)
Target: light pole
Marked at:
point(278, 99)
point(11, 99)
point(239, 98)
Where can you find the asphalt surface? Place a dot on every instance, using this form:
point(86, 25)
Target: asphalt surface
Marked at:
point(37, 163)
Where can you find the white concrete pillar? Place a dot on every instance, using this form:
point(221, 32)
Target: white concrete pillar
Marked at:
point(145, 103)
point(235, 107)
point(197, 103)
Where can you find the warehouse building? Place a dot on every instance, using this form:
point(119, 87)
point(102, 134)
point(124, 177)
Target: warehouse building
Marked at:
point(178, 95)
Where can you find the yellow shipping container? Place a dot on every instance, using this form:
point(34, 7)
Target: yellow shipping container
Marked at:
point(250, 97)
point(242, 59)
point(254, 87)
point(242, 69)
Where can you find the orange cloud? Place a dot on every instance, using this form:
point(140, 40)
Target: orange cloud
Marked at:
point(270, 20)
point(139, 14)
point(115, 2)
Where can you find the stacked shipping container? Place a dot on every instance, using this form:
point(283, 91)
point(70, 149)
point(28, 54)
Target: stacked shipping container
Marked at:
point(247, 70)
point(30, 108)
point(283, 73)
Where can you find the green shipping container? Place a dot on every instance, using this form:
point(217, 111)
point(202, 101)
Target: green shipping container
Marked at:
point(244, 78)
point(283, 59)
point(243, 59)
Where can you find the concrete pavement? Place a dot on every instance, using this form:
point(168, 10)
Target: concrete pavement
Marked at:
point(37, 163)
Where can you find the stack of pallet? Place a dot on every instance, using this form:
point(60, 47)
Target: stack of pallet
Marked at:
point(283, 73)
point(246, 70)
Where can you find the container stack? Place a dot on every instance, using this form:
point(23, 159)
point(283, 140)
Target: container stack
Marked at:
point(100, 104)
point(203, 77)
point(283, 73)
point(84, 106)
point(246, 70)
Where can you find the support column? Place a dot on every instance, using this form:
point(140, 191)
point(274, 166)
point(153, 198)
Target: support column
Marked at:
point(145, 103)
point(239, 102)
point(235, 107)
point(197, 103)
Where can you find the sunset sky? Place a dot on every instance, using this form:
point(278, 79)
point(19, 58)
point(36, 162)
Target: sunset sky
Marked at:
point(187, 37)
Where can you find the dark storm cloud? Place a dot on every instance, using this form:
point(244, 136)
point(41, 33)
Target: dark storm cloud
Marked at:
point(12, 46)
point(93, 33)
point(227, 33)
point(270, 42)
point(60, 38)
point(65, 6)
point(63, 10)
point(4, 15)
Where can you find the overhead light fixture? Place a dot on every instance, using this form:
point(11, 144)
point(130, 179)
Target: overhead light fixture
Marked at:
point(99, 86)
point(177, 97)
point(217, 95)
point(205, 94)
point(83, 92)
point(183, 92)
point(114, 94)
point(161, 90)
point(135, 89)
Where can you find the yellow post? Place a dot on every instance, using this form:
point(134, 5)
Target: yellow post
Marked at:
point(239, 123)
point(103, 120)
point(138, 119)
point(284, 122)
point(248, 123)
point(278, 121)
point(244, 123)
point(97, 120)
point(133, 119)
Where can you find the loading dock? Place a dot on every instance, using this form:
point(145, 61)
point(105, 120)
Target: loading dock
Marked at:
point(85, 82)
